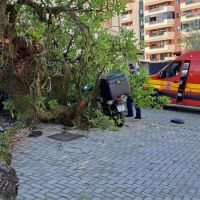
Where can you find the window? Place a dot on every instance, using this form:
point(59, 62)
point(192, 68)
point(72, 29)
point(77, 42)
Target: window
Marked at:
point(177, 15)
point(185, 68)
point(187, 1)
point(153, 45)
point(178, 28)
point(163, 56)
point(152, 19)
point(188, 14)
point(172, 70)
point(154, 57)
point(162, 44)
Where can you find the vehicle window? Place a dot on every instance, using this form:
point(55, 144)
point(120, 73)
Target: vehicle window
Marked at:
point(173, 69)
point(186, 66)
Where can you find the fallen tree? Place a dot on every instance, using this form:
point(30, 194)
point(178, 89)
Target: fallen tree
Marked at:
point(49, 51)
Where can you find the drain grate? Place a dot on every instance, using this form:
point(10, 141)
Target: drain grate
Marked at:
point(35, 134)
point(65, 136)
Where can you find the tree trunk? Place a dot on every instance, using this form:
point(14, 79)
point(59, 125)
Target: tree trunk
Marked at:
point(79, 111)
point(8, 182)
point(3, 4)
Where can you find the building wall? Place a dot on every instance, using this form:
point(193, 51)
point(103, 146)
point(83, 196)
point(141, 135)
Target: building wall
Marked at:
point(130, 19)
point(162, 29)
point(186, 18)
point(190, 15)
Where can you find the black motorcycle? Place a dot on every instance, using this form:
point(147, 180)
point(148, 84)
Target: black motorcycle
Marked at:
point(114, 90)
point(114, 109)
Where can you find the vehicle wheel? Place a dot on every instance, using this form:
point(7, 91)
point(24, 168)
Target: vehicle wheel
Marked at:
point(119, 119)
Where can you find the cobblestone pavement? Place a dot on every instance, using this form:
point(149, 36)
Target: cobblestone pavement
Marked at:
point(148, 159)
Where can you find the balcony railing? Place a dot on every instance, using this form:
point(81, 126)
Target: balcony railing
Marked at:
point(156, 9)
point(124, 16)
point(157, 34)
point(191, 1)
point(159, 24)
point(159, 10)
point(155, 22)
point(190, 5)
point(160, 36)
point(160, 49)
point(192, 15)
point(156, 47)
point(153, 2)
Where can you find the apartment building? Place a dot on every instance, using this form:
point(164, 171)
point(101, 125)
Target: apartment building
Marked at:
point(162, 29)
point(190, 16)
point(131, 19)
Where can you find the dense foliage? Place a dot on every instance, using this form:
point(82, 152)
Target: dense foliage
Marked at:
point(144, 95)
point(50, 49)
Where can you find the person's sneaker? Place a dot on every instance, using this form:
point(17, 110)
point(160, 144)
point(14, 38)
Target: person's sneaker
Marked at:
point(138, 117)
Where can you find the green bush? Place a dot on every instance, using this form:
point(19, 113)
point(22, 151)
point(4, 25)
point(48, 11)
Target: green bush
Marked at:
point(9, 106)
point(144, 95)
point(6, 143)
point(53, 104)
point(100, 120)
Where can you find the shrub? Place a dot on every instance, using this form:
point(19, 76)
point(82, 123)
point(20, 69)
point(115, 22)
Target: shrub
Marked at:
point(100, 120)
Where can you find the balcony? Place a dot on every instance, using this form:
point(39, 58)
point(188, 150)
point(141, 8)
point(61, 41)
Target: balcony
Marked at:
point(126, 18)
point(159, 24)
point(129, 27)
point(159, 10)
point(153, 2)
point(166, 48)
point(190, 33)
point(190, 17)
point(160, 36)
point(191, 5)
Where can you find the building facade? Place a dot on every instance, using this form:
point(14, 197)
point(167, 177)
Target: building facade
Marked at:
point(190, 15)
point(167, 22)
point(132, 19)
point(162, 29)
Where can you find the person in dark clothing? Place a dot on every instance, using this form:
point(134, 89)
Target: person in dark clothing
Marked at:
point(129, 102)
point(129, 105)
point(138, 113)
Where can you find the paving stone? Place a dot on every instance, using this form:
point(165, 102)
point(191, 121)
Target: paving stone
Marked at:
point(147, 159)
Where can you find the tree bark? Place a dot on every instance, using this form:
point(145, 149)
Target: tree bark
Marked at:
point(3, 4)
point(8, 182)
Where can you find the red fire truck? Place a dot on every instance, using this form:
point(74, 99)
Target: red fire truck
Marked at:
point(180, 79)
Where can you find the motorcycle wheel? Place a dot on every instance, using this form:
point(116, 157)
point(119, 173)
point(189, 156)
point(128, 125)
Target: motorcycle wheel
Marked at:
point(118, 119)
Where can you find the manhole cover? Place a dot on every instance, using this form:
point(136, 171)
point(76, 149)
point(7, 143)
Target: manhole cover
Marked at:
point(65, 136)
point(35, 134)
